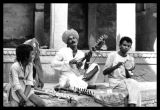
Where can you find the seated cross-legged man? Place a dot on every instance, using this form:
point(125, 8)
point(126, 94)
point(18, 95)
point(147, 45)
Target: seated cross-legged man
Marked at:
point(118, 74)
point(73, 71)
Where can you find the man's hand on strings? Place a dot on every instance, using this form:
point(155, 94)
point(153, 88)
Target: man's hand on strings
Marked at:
point(88, 55)
point(79, 64)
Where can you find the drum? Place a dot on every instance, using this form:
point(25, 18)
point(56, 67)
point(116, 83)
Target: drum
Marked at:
point(129, 65)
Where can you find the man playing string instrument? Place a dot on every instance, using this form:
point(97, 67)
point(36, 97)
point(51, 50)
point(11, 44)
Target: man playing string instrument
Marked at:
point(67, 62)
point(119, 74)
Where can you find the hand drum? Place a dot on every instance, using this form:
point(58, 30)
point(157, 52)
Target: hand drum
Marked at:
point(128, 64)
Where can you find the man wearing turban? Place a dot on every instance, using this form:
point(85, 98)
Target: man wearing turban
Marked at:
point(73, 71)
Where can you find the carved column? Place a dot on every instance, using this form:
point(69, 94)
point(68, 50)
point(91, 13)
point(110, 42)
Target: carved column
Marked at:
point(39, 22)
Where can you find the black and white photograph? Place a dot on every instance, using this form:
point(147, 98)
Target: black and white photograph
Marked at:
point(79, 55)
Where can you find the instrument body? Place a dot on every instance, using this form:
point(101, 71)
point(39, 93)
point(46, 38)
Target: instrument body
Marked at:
point(129, 65)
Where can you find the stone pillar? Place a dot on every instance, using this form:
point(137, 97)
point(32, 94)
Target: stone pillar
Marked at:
point(155, 42)
point(39, 22)
point(91, 24)
point(59, 17)
point(126, 22)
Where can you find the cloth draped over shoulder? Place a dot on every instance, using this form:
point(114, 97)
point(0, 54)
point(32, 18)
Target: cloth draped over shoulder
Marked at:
point(37, 64)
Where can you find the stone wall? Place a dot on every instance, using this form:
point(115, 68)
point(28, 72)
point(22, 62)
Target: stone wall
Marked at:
point(18, 23)
point(146, 26)
point(21, 20)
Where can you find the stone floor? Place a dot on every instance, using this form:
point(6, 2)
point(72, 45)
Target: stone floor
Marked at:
point(148, 90)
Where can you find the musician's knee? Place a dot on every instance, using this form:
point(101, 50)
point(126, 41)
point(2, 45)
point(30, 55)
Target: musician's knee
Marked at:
point(63, 83)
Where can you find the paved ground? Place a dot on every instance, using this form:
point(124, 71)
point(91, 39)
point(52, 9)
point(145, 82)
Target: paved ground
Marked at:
point(149, 97)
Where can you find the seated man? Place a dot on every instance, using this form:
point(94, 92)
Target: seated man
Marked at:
point(119, 76)
point(68, 62)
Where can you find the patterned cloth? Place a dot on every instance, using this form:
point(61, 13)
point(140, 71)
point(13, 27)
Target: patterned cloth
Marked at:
point(119, 98)
point(37, 64)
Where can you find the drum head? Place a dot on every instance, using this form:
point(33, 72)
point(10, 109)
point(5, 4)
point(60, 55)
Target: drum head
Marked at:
point(128, 64)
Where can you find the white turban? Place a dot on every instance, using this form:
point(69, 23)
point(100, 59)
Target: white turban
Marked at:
point(68, 33)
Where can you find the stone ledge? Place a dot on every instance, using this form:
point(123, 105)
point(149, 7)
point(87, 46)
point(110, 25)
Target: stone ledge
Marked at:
point(146, 67)
point(52, 52)
point(140, 57)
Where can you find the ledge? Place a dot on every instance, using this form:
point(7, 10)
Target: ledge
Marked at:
point(52, 52)
point(141, 57)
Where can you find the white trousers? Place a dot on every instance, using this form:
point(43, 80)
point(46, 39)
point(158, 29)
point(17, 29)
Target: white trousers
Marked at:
point(69, 79)
point(134, 91)
point(132, 87)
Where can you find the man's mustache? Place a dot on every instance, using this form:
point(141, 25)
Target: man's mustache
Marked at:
point(73, 42)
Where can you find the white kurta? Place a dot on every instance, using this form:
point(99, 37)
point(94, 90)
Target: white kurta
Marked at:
point(18, 79)
point(67, 75)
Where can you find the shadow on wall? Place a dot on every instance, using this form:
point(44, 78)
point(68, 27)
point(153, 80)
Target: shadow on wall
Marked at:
point(146, 66)
point(145, 73)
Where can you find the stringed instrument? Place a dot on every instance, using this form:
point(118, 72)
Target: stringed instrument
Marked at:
point(100, 42)
point(102, 97)
point(98, 45)
point(77, 91)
